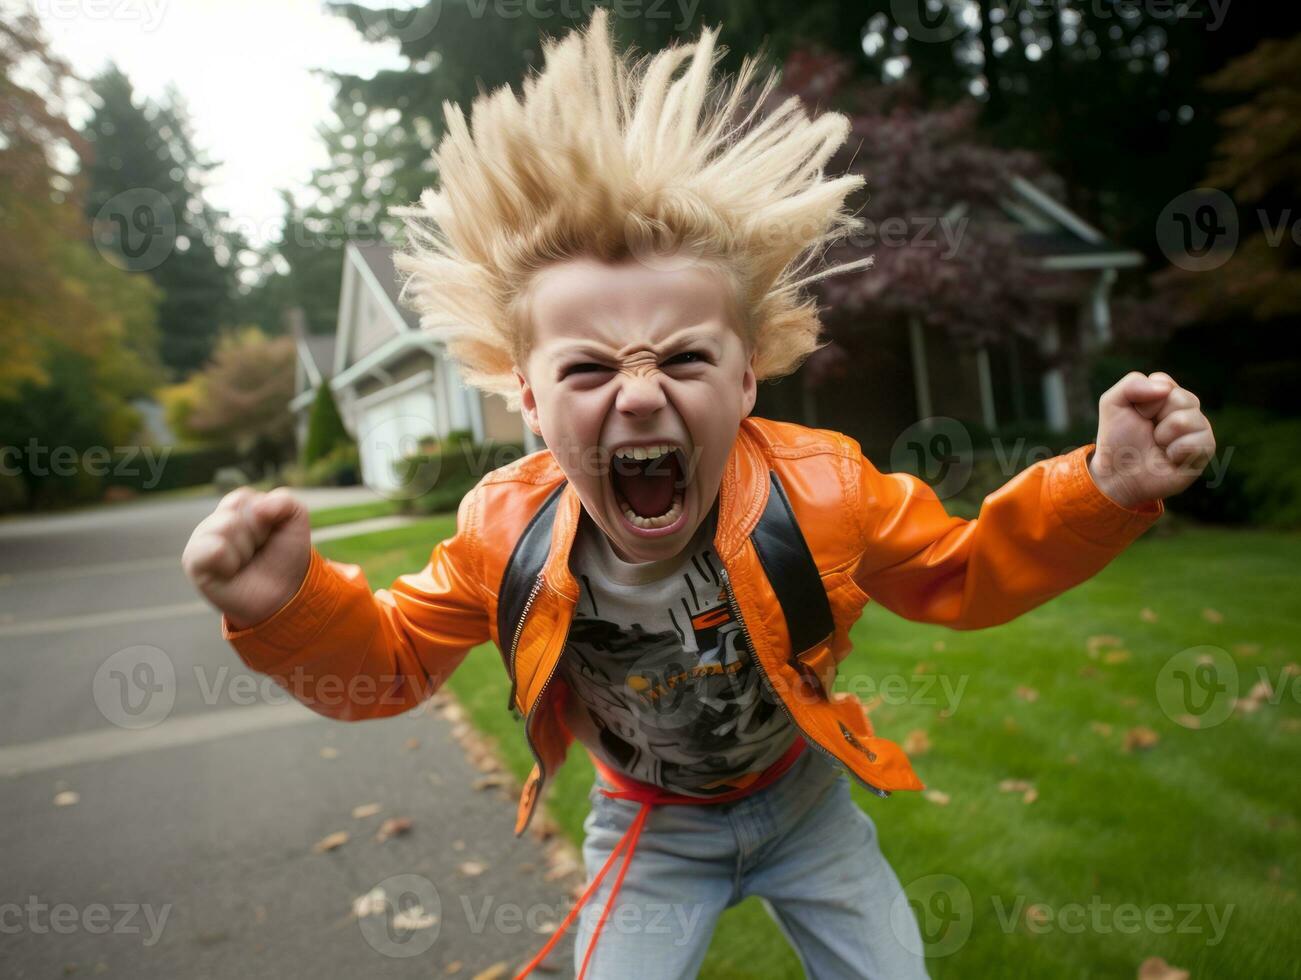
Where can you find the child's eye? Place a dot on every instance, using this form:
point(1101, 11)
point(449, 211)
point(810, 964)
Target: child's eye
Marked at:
point(695, 355)
point(587, 367)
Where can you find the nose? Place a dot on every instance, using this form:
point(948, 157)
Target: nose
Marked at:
point(640, 393)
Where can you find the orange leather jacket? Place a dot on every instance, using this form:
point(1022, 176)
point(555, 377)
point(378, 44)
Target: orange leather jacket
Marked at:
point(352, 655)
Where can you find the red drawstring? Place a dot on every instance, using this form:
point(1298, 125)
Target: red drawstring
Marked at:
point(648, 795)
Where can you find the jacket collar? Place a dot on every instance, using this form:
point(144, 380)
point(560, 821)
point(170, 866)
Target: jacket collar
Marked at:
point(741, 499)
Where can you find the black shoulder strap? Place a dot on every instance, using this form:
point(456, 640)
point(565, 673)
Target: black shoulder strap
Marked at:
point(522, 570)
point(792, 572)
point(777, 539)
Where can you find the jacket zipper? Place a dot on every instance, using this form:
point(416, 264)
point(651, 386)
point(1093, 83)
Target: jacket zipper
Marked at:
point(541, 698)
point(514, 644)
point(763, 672)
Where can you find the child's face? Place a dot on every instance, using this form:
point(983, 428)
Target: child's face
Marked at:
point(626, 355)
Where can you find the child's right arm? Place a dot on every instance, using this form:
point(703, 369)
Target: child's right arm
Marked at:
point(314, 626)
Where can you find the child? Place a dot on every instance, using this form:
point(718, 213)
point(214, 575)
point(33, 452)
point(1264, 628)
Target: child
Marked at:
point(672, 582)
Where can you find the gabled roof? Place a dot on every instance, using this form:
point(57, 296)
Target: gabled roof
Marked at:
point(1059, 237)
point(318, 352)
point(379, 259)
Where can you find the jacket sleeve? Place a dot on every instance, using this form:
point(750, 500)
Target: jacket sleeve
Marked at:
point(1046, 530)
point(351, 655)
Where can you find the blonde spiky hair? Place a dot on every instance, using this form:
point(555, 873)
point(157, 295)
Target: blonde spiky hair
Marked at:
point(610, 157)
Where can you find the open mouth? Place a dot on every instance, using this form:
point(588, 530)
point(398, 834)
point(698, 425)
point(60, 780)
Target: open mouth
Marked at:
point(649, 484)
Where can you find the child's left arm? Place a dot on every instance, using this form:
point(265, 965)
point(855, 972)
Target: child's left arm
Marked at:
point(1055, 524)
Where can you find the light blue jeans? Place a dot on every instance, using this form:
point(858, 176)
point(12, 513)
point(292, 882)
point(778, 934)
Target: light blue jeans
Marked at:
point(801, 845)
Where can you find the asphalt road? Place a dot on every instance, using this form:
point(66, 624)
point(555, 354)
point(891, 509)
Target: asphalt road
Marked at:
point(159, 804)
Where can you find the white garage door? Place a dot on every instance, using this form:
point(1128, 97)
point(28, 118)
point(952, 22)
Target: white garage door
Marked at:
point(390, 430)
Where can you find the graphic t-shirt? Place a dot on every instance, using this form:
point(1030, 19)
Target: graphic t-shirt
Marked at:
point(664, 684)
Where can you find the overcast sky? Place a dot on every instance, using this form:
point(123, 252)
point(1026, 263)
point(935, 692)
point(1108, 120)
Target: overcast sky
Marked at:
point(244, 68)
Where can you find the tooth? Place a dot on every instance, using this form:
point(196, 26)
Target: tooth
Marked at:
point(639, 453)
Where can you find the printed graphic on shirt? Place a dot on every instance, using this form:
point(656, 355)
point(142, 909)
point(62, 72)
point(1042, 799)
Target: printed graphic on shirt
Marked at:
point(681, 706)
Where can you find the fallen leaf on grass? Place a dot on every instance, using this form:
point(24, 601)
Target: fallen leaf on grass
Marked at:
point(1260, 693)
point(1148, 615)
point(1189, 721)
point(1014, 786)
point(922, 667)
point(1246, 649)
point(1140, 737)
point(1101, 727)
point(1212, 615)
point(365, 810)
point(1097, 643)
point(66, 798)
point(1027, 693)
point(938, 797)
point(1155, 968)
point(1036, 914)
point(335, 840)
point(917, 742)
point(392, 827)
point(1115, 656)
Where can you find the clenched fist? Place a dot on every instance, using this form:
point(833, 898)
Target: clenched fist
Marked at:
point(1153, 440)
point(250, 555)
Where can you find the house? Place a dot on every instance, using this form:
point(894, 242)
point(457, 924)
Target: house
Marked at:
point(394, 385)
point(908, 372)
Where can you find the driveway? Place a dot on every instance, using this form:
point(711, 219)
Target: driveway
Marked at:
point(161, 804)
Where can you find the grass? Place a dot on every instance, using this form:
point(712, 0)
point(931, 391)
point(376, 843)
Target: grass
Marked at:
point(332, 516)
point(1200, 826)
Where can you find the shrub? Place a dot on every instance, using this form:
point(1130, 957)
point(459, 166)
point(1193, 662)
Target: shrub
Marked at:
point(340, 467)
point(1255, 477)
point(452, 472)
point(325, 429)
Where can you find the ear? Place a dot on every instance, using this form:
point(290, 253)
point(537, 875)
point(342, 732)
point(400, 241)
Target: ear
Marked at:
point(528, 404)
point(749, 387)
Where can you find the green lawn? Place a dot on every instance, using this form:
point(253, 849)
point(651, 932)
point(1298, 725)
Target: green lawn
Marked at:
point(1187, 849)
point(354, 512)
